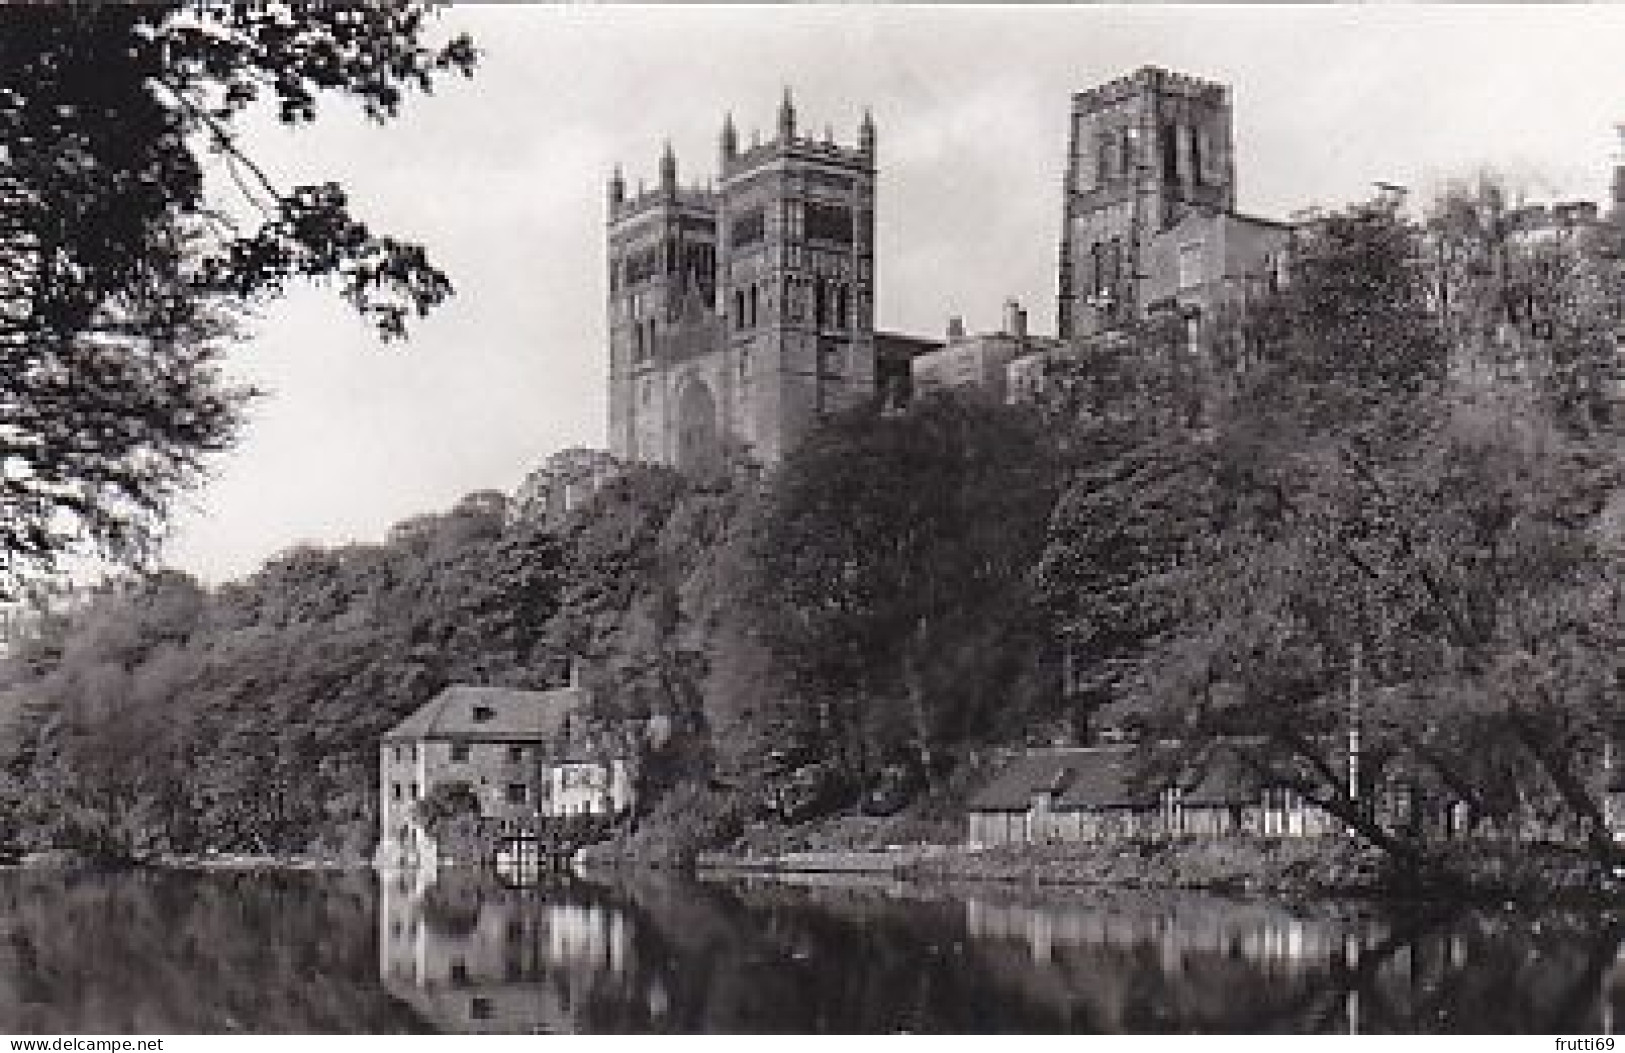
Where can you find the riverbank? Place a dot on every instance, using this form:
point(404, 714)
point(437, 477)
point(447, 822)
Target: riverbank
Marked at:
point(1328, 867)
point(932, 851)
point(70, 859)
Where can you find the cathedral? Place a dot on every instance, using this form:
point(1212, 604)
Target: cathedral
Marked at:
point(741, 311)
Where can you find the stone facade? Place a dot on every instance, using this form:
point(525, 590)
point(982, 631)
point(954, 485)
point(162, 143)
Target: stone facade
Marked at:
point(526, 755)
point(981, 361)
point(1148, 217)
point(742, 313)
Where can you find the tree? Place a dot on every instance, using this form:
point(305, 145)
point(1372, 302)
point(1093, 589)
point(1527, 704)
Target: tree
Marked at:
point(1391, 553)
point(891, 563)
point(121, 281)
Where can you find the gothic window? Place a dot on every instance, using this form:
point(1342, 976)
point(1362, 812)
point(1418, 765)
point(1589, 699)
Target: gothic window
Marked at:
point(840, 308)
point(753, 306)
point(818, 303)
point(748, 229)
point(829, 223)
point(1103, 157)
point(1196, 155)
point(739, 308)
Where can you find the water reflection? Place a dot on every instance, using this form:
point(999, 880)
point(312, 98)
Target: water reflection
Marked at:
point(645, 953)
point(272, 953)
point(470, 955)
point(185, 953)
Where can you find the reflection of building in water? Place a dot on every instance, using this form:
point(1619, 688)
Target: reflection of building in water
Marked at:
point(1272, 939)
point(472, 957)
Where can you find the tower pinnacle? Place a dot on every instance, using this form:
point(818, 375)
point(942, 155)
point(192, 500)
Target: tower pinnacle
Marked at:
point(730, 138)
point(866, 133)
point(668, 171)
point(787, 117)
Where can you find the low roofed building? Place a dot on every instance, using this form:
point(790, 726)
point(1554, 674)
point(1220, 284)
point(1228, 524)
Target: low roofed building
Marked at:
point(1103, 793)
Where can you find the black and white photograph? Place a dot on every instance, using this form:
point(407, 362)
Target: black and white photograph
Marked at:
point(811, 519)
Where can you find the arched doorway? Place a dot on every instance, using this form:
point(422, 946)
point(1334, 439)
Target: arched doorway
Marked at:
point(697, 444)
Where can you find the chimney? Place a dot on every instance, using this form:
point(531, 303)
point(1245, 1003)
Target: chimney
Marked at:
point(956, 327)
point(1013, 323)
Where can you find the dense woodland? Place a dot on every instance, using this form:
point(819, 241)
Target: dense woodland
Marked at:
point(1386, 494)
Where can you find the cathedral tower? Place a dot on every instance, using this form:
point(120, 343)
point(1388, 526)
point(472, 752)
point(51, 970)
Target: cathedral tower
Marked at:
point(743, 315)
point(1144, 151)
point(796, 281)
point(662, 293)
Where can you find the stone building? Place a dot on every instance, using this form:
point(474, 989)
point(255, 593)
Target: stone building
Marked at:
point(742, 312)
point(980, 361)
point(526, 755)
point(1149, 220)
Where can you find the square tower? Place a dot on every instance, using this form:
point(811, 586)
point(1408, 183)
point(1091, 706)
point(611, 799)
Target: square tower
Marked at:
point(1144, 151)
point(795, 280)
point(662, 296)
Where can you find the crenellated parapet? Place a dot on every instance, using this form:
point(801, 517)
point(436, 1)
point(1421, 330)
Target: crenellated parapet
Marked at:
point(1152, 78)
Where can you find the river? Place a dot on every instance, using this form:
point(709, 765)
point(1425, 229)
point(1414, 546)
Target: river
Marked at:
point(158, 952)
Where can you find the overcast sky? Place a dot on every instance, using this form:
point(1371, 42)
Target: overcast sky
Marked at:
point(503, 177)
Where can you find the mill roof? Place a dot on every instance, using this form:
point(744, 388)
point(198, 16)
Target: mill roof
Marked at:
point(492, 714)
point(1091, 777)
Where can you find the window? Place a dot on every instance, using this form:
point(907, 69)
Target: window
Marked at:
point(482, 714)
point(1170, 153)
point(754, 305)
point(739, 308)
point(395, 791)
point(840, 307)
point(518, 793)
point(829, 223)
point(459, 751)
point(748, 229)
point(1196, 155)
point(414, 791)
point(516, 754)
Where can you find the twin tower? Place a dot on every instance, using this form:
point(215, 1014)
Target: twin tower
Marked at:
point(742, 312)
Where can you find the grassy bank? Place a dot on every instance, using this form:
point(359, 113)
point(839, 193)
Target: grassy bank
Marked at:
point(1328, 866)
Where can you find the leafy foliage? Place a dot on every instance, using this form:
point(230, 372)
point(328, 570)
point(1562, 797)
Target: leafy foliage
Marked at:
point(163, 716)
point(122, 282)
point(889, 575)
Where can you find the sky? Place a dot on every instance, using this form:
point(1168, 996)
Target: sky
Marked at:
point(503, 178)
